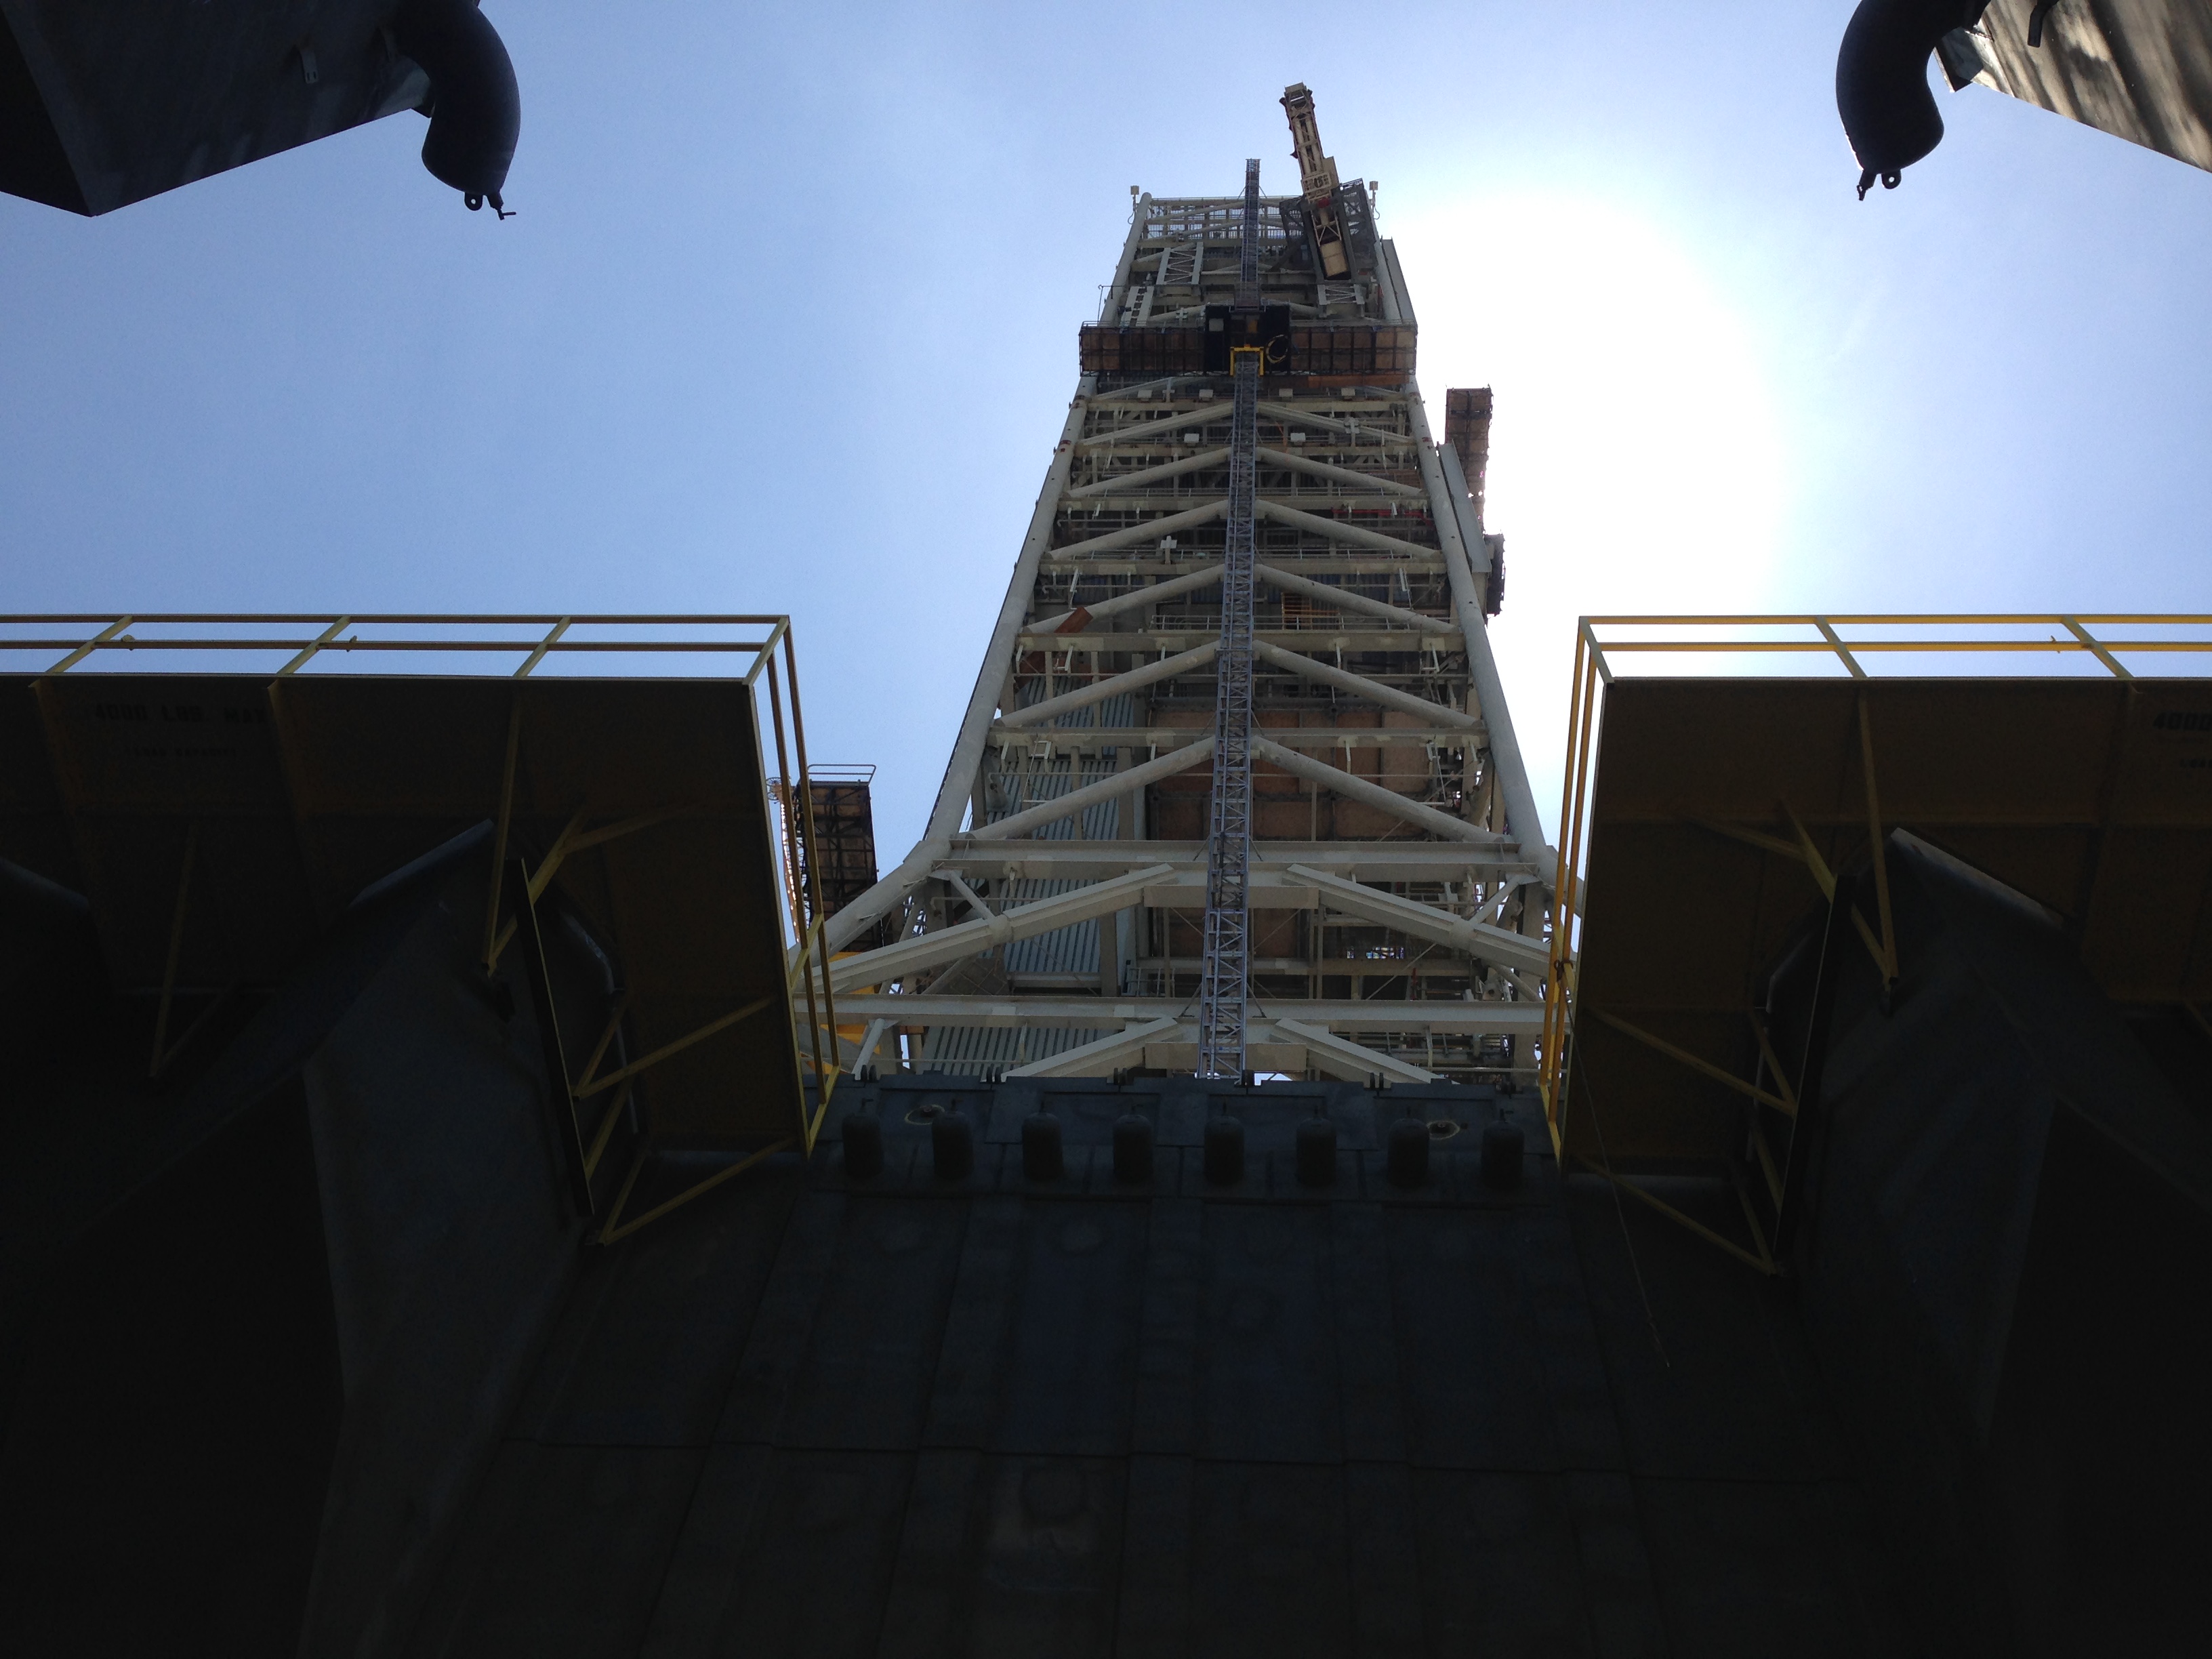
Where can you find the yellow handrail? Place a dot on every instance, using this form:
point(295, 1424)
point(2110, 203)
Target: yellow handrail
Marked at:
point(574, 634)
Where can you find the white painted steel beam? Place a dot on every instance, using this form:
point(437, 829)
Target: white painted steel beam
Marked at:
point(1274, 1043)
point(1338, 560)
point(1327, 423)
point(1070, 624)
point(1144, 478)
point(1336, 530)
point(1150, 531)
point(1336, 780)
point(1340, 638)
point(1141, 431)
point(1107, 1054)
point(1337, 474)
point(891, 961)
point(1116, 294)
point(1359, 685)
point(1345, 599)
point(1326, 1052)
point(1132, 396)
point(958, 884)
point(1085, 861)
point(1522, 821)
point(1477, 938)
point(871, 1040)
point(1135, 600)
point(1333, 501)
point(1088, 739)
point(1183, 890)
point(1051, 708)
point(1441, 1017)
point(1413, 860)
point(1111, 788)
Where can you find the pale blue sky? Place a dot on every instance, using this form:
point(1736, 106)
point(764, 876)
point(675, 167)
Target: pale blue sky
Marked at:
point(787, 323)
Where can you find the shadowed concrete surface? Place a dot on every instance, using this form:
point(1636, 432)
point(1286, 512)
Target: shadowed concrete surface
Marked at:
point(299, 1354)
point(907, 1416)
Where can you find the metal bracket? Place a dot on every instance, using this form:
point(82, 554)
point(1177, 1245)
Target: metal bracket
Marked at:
point(162, 1056)
point(1878, 854)
point(314, 646)
point(600, 1086)
point(1763, 1261)
point(561, 1092)
point(494, 940)
point(91, 646)
point(1719, 1074)
point(566, 844)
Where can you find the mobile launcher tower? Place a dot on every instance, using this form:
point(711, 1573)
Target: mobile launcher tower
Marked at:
point(1236, 791)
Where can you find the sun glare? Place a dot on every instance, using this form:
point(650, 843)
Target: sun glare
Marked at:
point(1635, 462)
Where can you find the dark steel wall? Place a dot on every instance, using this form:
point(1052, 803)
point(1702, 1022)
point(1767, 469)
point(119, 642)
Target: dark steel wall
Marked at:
point(259, 1330)
point(2008, 1273)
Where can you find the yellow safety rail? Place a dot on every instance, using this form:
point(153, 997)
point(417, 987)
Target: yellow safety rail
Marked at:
point(369, 641)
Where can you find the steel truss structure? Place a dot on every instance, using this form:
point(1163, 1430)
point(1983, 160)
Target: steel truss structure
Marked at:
point(1073, 885)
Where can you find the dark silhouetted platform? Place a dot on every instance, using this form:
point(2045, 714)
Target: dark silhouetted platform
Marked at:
point(996, 1416)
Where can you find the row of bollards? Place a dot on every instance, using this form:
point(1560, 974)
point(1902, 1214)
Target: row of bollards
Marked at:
point(1043, 1159)
point(953, 1147)
point(952, 1150)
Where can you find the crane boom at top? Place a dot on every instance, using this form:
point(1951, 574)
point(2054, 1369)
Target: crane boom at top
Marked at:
point(1317, 179)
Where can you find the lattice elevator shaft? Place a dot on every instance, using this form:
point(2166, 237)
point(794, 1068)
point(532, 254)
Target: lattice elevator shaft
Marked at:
point(1225, 974)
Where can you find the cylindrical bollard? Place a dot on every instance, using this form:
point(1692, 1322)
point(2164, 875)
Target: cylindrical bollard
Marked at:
point(1133, 1147)
point(1316, 1153)
point(1041, 1154)
point(1408, 1154)
point(953, 1146)
point(864, 1146)
point(1224, 1151)
point(1503, 1145)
